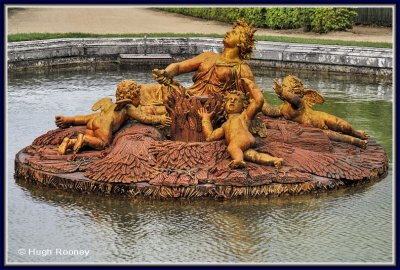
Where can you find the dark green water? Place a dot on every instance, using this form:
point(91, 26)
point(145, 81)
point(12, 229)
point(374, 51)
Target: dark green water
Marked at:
point(353, 225)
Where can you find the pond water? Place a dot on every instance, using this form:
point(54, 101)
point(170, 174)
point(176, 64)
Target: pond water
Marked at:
point(350, 225)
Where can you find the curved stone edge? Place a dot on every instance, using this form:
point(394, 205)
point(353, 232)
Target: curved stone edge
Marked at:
point(77, 182)
point(78, 51)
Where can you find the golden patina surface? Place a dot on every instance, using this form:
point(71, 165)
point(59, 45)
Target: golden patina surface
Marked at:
point(100, 126)
point(209, 139)
point(297, 106)
point(235, 129)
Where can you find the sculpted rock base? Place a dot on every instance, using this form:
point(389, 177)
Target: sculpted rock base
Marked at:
point(142, 163)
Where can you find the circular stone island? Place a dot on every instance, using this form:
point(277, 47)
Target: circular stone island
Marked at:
point(143, 163)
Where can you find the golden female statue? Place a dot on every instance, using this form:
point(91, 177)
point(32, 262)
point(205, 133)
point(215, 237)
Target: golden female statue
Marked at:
point(297, 106)
point(216, 72)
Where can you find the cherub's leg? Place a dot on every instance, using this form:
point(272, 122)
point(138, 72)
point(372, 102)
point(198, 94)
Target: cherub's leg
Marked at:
point(94, 142)
point(262, 158)
point(90, 141)
point(66, 144)
point(340, 125)
point(79, 143)
point(361, 134)
point(237, 156)
point(335, 136)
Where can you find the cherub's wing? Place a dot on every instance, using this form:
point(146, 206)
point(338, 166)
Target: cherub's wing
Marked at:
point(122, 103)
point(101, 104)
point(313, 97)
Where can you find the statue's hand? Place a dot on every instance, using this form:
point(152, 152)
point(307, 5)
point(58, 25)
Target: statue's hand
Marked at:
point(277, 87)
point(166, 121)
point(162, 76)
point(62, 121)
point(204, 114)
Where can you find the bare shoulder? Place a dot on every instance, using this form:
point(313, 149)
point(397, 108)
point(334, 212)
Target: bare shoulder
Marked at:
point(246, 72)
point(244, 116)
point(245, 66)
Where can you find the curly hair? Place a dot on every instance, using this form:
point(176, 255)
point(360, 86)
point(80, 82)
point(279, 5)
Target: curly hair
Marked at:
point(243, 97)
point(127, 89)
point(246, 37)
point(296, 86)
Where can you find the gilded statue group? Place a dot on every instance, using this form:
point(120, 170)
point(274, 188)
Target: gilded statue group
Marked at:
point(225, 74)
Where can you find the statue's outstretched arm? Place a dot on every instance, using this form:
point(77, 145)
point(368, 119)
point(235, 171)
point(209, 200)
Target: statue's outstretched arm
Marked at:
point(209, 133)
point(216, 134)
point(256, 97)
point(138, 115)
point(186, 66)
point(293, 99)
point(78, 120)
point(285, 95)
point(271, 111)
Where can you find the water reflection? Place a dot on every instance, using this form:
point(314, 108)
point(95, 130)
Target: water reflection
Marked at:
point(270, 230)
point(347, 225)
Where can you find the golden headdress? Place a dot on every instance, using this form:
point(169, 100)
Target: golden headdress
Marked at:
point(246, 44)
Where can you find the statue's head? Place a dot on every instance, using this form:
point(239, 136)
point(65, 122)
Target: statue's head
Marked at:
point(242, 36)
point(294, 85)
point(234, 102)
point(128, 89)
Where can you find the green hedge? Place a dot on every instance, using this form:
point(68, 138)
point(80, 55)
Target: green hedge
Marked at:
point(252, 15)
point(283, 18)
point(320, 20)
point(324, 20)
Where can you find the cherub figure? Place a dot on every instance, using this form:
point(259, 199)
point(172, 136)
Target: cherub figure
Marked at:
point(150, 98)
point(100, 126)
point(235, 130)
point(297, 106)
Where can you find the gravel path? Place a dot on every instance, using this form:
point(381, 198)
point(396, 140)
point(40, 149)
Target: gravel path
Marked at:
point(123, 19)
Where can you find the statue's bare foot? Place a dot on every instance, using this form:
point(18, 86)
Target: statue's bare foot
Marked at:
point(278, 162)
point(62, 121)
point(237, 164)
point(78, 143)
point(362, 134)
point(363, 144)
point(63, 146)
